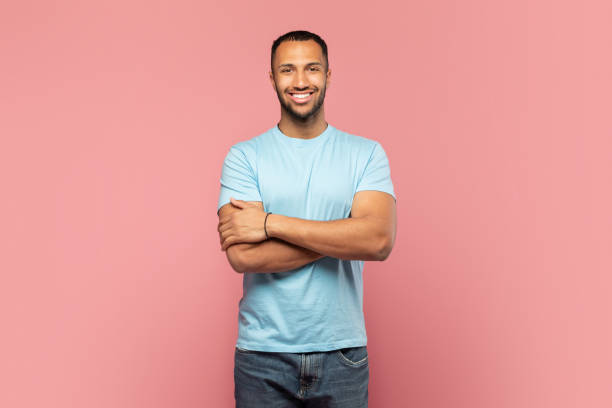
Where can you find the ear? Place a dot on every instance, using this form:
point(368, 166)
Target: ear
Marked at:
point(272, 80)
point(328, 76)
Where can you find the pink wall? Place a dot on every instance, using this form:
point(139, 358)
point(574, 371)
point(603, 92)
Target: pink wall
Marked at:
point(114, 121)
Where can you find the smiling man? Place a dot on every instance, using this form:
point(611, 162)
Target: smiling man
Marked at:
point(301, 207)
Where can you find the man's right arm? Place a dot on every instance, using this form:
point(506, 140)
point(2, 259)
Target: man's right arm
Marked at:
point(273, 255)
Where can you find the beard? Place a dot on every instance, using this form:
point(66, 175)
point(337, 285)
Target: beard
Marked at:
point(303, 116)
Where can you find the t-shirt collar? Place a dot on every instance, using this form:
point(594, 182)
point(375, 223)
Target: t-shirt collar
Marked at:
point(299, 142)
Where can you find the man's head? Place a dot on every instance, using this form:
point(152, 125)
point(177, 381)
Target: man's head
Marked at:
point(299, 73)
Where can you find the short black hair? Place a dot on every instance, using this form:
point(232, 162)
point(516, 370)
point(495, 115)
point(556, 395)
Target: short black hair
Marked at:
point(300, 35)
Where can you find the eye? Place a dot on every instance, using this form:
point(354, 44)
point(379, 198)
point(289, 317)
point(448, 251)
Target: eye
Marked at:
point(314, 68)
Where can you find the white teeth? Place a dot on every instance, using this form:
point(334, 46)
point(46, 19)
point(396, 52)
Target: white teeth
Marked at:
point(301, 96)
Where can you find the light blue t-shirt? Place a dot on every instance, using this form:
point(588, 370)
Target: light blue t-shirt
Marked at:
point(319, 306)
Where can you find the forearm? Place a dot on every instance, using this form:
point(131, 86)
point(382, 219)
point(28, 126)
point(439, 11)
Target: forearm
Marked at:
point(349, 238)
point(269, 256)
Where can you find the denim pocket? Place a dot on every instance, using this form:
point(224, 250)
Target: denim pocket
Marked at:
point(353, 356)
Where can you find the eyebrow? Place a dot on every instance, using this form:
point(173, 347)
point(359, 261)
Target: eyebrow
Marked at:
point(292, 65)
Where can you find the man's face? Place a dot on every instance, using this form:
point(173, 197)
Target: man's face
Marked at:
point(299, 77)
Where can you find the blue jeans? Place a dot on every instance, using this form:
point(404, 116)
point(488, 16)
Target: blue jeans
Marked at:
point(337, 378)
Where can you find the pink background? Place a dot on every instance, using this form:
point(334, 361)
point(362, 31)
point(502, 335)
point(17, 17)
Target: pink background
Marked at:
point(115, 118)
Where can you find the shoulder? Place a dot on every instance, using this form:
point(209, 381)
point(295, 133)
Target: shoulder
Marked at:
point(362, 144)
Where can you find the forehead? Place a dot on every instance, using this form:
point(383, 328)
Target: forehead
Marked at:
point(296, 52)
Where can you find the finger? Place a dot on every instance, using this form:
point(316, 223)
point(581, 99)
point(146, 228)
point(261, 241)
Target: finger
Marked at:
point(227, 242)
point(224, 223)
point(225, 234)
point(238, 203)
point(224, 227)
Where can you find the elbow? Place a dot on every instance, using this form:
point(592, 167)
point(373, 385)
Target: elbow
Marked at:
point(236, 258)
point(383, 250)
point(236, 265)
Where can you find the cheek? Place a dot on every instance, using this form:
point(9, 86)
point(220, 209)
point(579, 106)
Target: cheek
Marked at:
point(282, 82)
point(319, 82)
point(281, 89)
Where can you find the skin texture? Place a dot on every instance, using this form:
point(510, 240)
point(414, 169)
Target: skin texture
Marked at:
point(268, 256)
point(369, 233)
point(300, 66)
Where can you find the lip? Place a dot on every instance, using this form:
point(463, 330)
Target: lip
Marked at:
point(303, 100)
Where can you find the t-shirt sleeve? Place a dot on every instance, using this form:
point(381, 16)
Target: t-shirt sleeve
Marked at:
point(377, 174)
point(238, 179)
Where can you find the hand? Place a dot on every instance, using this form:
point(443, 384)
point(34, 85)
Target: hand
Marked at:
point(244, 226)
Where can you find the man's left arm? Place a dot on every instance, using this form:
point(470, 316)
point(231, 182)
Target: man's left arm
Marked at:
point(368, 235)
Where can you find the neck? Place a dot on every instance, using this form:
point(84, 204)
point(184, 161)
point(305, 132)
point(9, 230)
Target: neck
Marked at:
point(312, 127)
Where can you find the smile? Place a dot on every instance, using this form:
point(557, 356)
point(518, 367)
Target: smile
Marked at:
point(301, 97)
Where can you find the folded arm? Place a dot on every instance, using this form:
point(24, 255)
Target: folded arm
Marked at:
point(268, 256)
point(369, 234)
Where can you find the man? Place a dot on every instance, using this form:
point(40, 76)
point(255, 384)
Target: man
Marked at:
point(301, 207)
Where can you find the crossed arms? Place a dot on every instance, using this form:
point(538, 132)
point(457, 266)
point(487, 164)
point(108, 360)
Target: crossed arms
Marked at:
point(368, 235)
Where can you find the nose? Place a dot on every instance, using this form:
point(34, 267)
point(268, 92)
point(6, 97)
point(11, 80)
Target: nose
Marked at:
point(300, 81)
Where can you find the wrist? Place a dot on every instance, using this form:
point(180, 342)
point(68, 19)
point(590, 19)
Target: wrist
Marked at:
point(272, 225)
point(266, 233)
